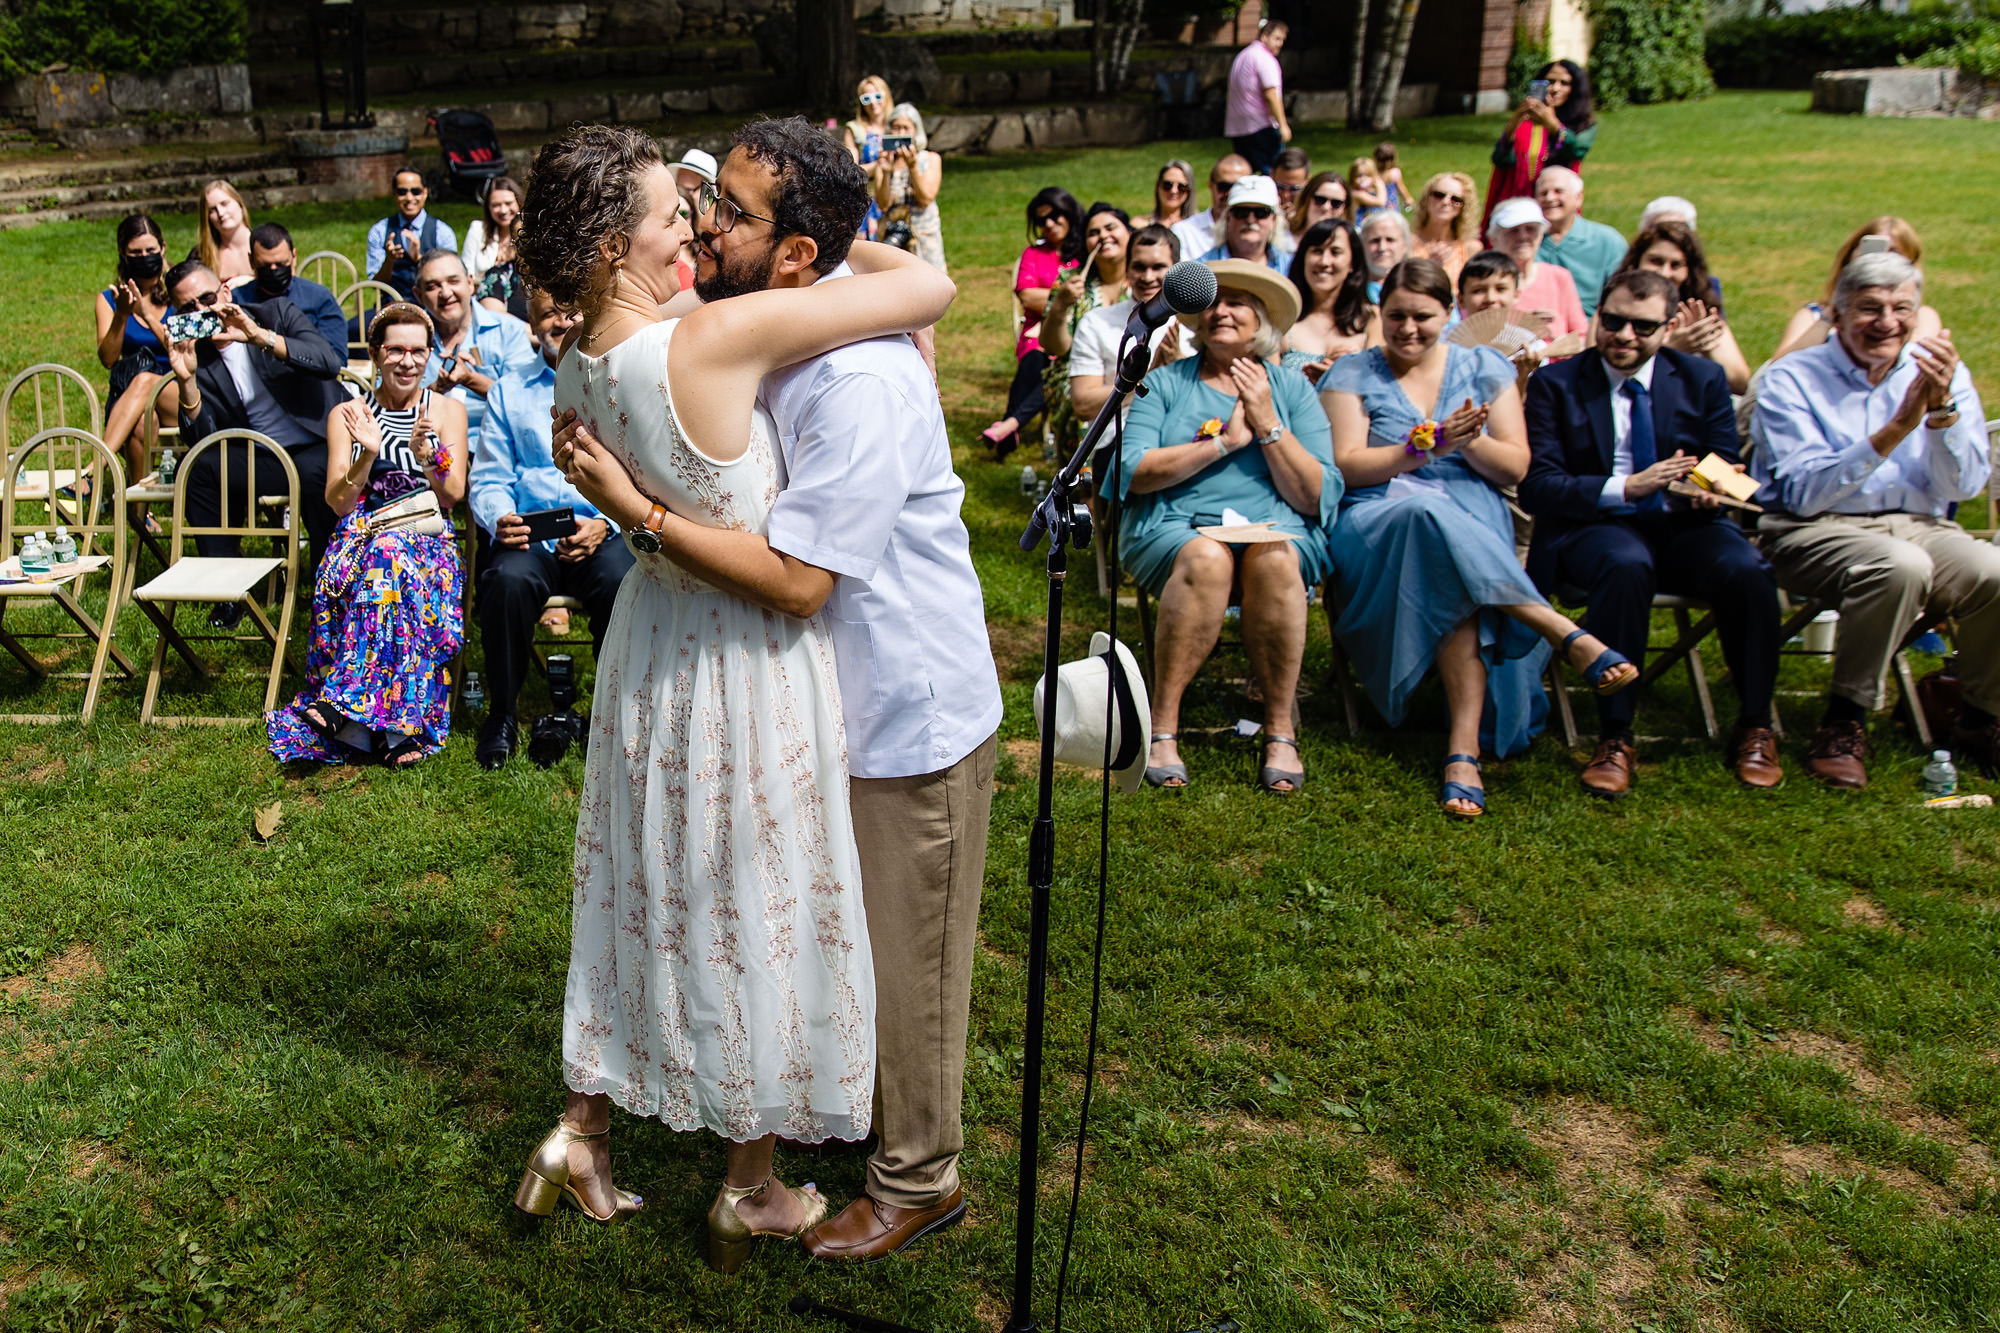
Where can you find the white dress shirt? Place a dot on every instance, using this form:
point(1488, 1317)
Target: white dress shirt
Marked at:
point(870, 496)
point(1094, 346)
point(1197, 234)
point(1613, 494)
point(1812, 456)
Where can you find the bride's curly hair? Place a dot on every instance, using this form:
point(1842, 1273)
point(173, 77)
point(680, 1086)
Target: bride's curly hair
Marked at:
point(586, 195)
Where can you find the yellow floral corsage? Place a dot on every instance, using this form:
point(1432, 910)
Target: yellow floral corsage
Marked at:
point(1209, 430)
point(1422, 438)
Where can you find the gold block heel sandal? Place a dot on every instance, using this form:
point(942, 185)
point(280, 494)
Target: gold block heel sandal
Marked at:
point(730, 1238)
point(546, 1182)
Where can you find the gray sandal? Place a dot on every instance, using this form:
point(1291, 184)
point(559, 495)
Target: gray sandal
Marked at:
point(1268, 777)
point(1160, 776)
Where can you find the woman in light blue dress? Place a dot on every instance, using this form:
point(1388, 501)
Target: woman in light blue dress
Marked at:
point(1425, 571)
point(1229, 429)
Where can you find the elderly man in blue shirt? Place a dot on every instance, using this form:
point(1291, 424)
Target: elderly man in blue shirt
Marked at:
point(512, 476)
point(1249, 229)
point(474, 347)
point(1863, 446)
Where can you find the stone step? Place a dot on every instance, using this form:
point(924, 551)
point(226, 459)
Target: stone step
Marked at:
point(65, 196)
point(259, 199)
point(63, 172)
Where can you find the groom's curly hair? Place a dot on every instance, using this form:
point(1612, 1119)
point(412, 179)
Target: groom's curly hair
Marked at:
point(587, 188)
point(821, 192)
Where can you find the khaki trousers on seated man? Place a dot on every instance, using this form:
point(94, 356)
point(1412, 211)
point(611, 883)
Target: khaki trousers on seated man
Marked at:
point(1862, 446)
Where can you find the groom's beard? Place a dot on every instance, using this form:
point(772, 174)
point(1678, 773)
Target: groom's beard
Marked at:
point(738, 279)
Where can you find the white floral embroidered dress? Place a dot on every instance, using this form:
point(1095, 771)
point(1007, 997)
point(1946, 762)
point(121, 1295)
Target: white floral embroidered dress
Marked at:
point(719, 970)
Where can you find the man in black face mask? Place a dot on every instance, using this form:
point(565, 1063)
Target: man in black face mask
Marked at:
point(272, 256)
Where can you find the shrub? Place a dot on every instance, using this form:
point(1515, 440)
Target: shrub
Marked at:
point(1978, 55)
point(1787, 50)
point(1648, 51)
point(121, 36)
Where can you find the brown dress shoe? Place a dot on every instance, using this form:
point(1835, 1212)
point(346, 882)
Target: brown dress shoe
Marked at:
point(1837, 754)
point(1754, 755)
point(868, 1229)
point(1611, 767)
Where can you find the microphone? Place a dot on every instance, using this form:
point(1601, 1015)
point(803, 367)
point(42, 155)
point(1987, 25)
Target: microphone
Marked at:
point(1189, 289)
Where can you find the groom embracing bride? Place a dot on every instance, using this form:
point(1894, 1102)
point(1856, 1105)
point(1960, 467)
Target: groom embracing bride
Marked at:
point(863, 537)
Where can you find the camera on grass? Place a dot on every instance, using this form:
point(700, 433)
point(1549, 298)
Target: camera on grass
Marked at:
point(553, 733)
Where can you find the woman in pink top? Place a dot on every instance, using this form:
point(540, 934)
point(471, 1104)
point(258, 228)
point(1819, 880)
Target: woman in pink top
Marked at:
point(1055, 228)
point(1516, 231)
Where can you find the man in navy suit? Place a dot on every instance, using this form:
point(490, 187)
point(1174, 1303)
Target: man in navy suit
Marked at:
point(1608, 431)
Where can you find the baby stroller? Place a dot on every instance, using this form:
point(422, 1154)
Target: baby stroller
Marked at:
point(472, 154)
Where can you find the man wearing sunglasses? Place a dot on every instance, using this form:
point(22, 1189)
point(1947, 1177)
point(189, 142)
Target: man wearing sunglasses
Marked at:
point(1590, 250)
point(397, 242)
point(1609, 432)
point(1202, 232)
point(1249, 230)
point(1864, 445)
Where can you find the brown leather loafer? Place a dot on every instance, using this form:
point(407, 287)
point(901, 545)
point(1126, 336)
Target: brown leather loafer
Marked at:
point(1754, 755)
point(1837, 755)
point(868, 1229)
point(1611, 768)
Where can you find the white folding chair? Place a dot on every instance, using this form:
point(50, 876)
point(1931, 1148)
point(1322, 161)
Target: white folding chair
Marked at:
point(329, 268)
point(361, 302)
point(98, 525)
point(39, 398)
point(226, 579)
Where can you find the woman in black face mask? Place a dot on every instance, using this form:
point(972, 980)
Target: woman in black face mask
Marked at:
point(131, 335)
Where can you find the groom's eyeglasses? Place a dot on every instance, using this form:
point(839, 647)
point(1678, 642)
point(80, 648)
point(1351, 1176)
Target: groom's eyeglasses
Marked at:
point(708, 199)
point(1644, 328)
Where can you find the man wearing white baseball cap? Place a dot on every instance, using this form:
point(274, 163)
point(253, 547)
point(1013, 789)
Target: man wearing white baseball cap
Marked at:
point(1516, 230)
point(694, 170)
point(1248, 228)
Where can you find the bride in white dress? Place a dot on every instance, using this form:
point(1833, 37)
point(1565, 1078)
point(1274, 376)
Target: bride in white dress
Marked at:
point(720, 975)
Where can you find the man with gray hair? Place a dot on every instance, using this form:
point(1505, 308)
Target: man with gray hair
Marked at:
point(1863, 444)
point(1589, 250)
point(1669, 208)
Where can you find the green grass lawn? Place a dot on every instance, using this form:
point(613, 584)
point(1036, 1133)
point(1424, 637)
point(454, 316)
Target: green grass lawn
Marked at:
point(1700, 1060)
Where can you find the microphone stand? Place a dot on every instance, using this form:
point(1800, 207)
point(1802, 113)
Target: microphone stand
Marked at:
point(1067, 524)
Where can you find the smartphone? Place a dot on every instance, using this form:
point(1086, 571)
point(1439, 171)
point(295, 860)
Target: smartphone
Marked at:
point(446, 366)
point(895, 142)
point(194, 324)
point(1872, 245)
point(547, 525)
point(1538, 89)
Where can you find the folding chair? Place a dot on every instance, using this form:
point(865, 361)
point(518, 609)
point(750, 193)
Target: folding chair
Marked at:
point(95, 524)
point(205, 579)
point(360, 302)
point(55, 396)
point(1684, 650)
point(329, 268)
point(146, 490)
point(354, 382)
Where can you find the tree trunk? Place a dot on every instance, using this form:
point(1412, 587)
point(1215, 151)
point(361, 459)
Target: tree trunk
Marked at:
point(1131, 22)
point(1382, 112)
point(1378, 65)
point(1100, 26)
point(827, 55)
point(1358, 55)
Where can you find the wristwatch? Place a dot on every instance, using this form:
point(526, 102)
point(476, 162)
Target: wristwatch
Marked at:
point(1277, 433)
point(645, 538)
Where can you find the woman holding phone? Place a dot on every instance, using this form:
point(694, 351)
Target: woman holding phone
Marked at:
point(1554, 126)
point(907, 192)
point(388, 606)
point(131, 337)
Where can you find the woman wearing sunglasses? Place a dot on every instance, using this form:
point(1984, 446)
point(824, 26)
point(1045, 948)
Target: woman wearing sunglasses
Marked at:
point(1173, 196)
point(1672, 250)
point(863, 137)
point(1445, 229)
point(1055, 247)
point(1325, 196)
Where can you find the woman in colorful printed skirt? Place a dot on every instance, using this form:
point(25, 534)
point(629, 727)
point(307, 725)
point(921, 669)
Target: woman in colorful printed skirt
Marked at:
point(388, 614)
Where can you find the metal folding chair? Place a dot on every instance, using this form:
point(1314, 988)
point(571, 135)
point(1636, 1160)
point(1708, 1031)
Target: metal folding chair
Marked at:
point(329, 268)
point(97, 522)
point(360, 302)
point(206, 579)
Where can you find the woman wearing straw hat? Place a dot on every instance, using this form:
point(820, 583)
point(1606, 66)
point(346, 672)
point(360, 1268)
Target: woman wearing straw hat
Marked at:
point(1227, 478)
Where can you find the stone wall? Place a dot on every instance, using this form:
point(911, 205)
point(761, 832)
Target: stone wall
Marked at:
point(85, 97)
point(1905, 90)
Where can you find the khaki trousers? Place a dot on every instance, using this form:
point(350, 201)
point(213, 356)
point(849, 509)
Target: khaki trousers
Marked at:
point(922, 842)
point(1882, 572)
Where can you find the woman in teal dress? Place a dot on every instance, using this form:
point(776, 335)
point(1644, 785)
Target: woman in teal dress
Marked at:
point(1424, 560)
point(1229, 429)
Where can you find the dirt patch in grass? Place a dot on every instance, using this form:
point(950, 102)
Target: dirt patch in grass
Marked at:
point(1017, 647)
point(88, 1156)
point(1861, 910)
point(54, 985)
point(1799, 1160)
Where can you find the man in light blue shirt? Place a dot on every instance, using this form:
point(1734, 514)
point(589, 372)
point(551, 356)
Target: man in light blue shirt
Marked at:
point(475, 346)
point(512, 474)
point(1249, 226)
point(1590, 251)
point(398, 242)
point(1863, 445)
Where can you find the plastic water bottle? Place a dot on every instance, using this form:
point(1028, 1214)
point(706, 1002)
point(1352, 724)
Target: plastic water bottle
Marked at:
point(473, 694)
point(1940, 778)
point(65, 546)
point(1027, 481)
point(35, 555)
point(168, 463)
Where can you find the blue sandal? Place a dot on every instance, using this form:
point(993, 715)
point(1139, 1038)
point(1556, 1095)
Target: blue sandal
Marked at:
point(1607, 661)
point(1459, 791)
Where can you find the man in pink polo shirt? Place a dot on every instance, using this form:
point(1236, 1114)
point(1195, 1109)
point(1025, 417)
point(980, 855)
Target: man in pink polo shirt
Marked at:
point(1255, 116)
